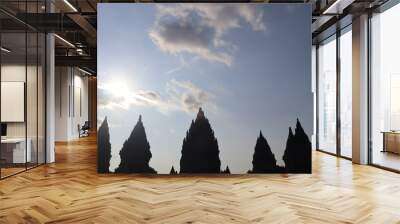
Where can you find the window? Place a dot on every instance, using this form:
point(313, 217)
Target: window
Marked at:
point(346, 92)
point(327, 95)
point(335, 94)
point(385, 89)
point(22, 66)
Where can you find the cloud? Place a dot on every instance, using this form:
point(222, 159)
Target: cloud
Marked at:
point(188, 36)
point(189, 97)
point(112, 97)
point(107, 100)
point(148, 97)
point(199, 29)
point(179, 96)
point(183, 63)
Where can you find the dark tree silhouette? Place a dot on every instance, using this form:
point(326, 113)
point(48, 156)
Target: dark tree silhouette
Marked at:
point(103, 148)
point(135, 153)
point(297, 154)
point(263, 159)
point(200, 153)
point(280, 169)
point(173, 171)
point(227, 170)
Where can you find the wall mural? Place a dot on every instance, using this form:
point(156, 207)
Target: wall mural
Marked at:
point(204, 88)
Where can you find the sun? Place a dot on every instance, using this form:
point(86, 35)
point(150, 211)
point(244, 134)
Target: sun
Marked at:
point(117, 88)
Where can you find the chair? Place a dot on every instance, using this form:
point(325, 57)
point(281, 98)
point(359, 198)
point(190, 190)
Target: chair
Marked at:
point(84, 130)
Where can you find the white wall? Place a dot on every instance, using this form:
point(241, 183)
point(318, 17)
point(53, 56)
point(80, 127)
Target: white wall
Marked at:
point(61, 103)
point(81, 89)
point(314, 93)
point(70, 83)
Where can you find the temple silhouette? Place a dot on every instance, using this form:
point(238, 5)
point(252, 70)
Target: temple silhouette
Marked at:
point(297, 155)
point(103, 148)
point(200, 153)
point(227, 170)
point(173, 171)
point(263, 159)
point(135, 153)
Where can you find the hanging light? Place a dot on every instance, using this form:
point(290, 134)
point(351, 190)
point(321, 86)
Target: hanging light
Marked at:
point(70, 5)
point(5, 50)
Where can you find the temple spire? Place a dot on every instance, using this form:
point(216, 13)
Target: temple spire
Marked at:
point(200, 114)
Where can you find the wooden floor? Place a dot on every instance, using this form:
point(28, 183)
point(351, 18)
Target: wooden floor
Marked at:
point(70, 191)
point(5, 172)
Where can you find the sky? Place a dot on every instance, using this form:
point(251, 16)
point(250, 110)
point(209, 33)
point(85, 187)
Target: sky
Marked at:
point(247, 65)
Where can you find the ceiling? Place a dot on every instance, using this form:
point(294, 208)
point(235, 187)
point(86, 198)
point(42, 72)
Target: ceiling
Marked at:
point(75, 22)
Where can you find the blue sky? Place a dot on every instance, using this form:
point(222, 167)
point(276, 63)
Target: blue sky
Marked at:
point(247, 65)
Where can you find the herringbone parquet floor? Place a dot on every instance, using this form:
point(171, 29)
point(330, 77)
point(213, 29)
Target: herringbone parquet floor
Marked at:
point(70, 191)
